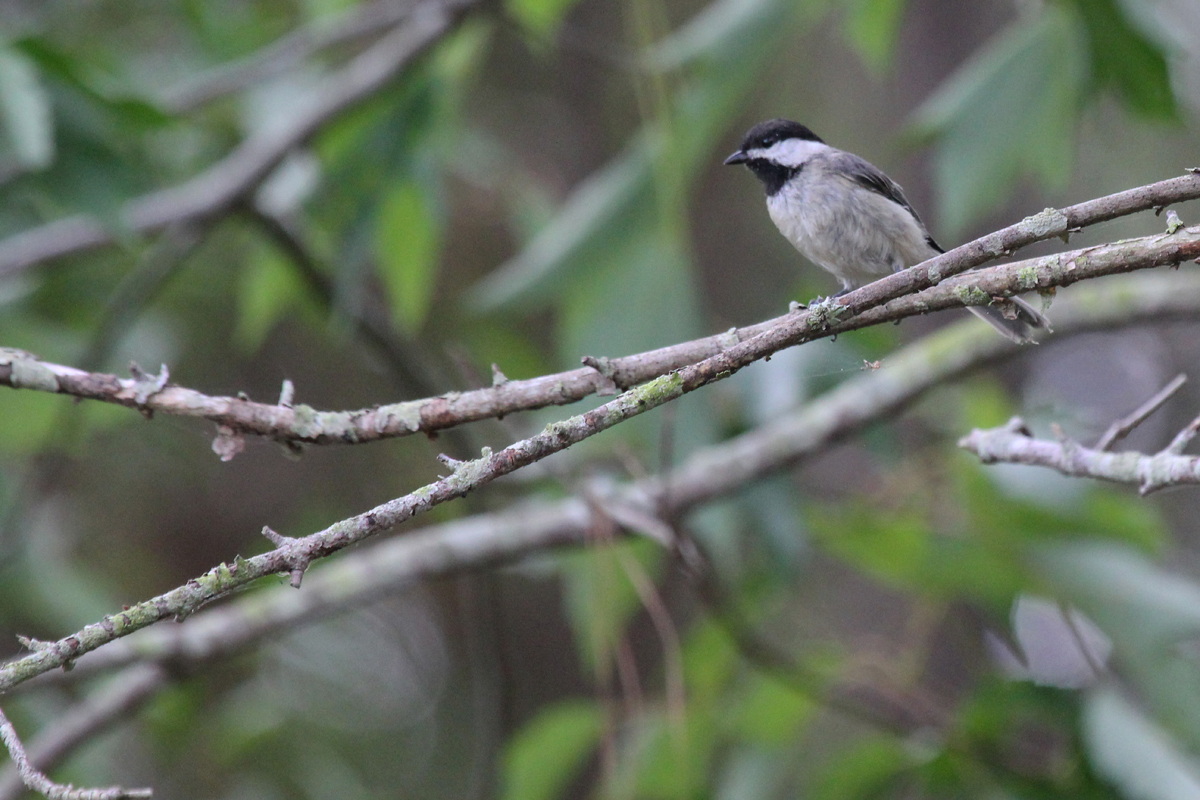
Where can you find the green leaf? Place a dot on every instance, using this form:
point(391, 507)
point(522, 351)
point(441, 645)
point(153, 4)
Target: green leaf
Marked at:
point(770, 713)
point(1009, 111)
point(710, 659)
point(675, 759)
point(546, 753)
point(1105, 513)
point(599, 205)
point(727, 44)
point(872, 27)
point(268, 289)
point(541, 18)
point(894, 547)
point(407, 241)
point(1135, 754)
point(600, 598)
point(1124, 59)
point(1152, 616)
point(862, 771)
point(25, 107)
point(97, 86)
point(727, 31)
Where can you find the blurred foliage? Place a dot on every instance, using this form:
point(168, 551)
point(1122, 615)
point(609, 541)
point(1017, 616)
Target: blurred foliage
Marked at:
point(543, 185)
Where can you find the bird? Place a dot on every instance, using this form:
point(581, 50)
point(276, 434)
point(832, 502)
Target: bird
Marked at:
point(848, 217)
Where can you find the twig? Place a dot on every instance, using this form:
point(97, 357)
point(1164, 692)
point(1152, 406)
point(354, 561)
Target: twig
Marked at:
point(44, 786)
point(1013, 444)
point(1122, 427)
point(297, 554)
point(218, 188)
point(361, 22)
point(1182, 438)
point(127, 692)
point(303, 424)
point(709, 474)
point(1048, 224)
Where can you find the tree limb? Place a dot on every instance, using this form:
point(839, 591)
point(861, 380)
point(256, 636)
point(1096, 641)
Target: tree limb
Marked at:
point(712, 473)
point(121, 699)
point(1014, 444)
point(303, 424)
point(219, 187)
point(359, 22)
point(393, 565)
point(1047, 224)
point(44, 786)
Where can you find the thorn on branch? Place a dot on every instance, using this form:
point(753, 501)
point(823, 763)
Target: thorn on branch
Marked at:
point(35, 645)
point(452, 463)
point(291, 557)
point(1124, 426)
point(287, 393)
point(608, 386)
point(146, 385)
point(1017, 426)
point(498, 377)
point(1181, 440)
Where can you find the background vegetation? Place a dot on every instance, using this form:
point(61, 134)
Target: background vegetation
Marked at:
point(545, 183)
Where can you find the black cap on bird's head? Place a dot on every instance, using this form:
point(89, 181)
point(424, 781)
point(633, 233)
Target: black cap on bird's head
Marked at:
point(765, 134)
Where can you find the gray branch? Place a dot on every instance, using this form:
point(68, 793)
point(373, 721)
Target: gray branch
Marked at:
point(295, 424)
point(714, 472)
point(1048, 224)
point(119, 700)
point(361, 22)
point(47, 788)
point(222, 185)
point(395, 564)
point(1014, 444)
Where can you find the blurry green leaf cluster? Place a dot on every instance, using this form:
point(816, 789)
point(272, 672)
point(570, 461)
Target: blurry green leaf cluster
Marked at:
point(1013, 108)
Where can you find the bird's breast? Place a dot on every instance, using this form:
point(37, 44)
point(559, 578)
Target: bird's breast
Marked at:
point(855, 234)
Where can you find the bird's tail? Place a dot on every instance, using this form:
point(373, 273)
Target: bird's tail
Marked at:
point(1015, 319)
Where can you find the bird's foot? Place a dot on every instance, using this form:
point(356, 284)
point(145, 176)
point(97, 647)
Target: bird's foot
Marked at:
point(824, 311)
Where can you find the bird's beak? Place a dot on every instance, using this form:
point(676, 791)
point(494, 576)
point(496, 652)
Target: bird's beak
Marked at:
point(737, 158)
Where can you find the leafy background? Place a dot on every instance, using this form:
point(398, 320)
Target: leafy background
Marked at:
point(545, 184)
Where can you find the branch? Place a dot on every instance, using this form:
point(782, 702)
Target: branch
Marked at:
point(218, 188)
point(127, 692)
point(472, 543)
point(43, 785)
point(297, 424)
point(361, 22)
point(1014, 444)
point(293, 556)
point(1047, 224)
point(712, 473)
point(1124, 426)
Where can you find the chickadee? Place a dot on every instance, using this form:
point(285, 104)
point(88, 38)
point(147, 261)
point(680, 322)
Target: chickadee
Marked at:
point(849, 218)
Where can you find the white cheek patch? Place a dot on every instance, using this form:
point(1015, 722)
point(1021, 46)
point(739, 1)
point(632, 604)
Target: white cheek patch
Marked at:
point(789, 152)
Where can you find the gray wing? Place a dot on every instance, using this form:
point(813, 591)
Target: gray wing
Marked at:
point(870, 177)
